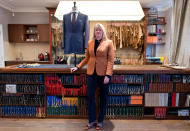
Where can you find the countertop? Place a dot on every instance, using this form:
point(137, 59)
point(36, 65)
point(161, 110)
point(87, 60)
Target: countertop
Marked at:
point(118, 69)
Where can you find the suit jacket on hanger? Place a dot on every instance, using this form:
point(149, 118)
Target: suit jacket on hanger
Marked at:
point(75, 38)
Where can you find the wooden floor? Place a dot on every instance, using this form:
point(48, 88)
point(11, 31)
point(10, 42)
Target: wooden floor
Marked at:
point(78, 124)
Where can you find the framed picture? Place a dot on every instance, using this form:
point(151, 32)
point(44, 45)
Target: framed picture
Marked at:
point(160, 20)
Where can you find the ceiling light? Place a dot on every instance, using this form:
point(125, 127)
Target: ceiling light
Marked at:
point(103, 10)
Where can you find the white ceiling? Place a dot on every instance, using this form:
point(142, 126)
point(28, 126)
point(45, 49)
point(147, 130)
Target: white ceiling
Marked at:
point(40, 5)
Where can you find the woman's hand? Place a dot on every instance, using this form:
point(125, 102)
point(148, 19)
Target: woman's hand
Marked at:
point(74, 69)
point(106, 80)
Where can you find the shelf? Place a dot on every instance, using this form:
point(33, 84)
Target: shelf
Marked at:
point(31, 33)
point(7, 94)
point(66, 95)
point(126, 94)
point(168, 92)
point(159, 92)
point(125, 105)
point(153, 63)
point(156, 24)
point(164, 107)
point(156, 33)
point(138, 83)
point(158, 43)
point(21, 105)
point(31, 41)
point(72, 84)
point(182, 92)
point(21, 83)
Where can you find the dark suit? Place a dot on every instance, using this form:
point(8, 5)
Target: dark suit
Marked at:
point(75, 38)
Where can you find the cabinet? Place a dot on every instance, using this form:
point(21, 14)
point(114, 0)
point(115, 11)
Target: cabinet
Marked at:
point(43, 33)
point(21, 33)
point(16, 33)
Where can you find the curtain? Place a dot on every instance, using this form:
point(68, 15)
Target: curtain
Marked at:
point(183, 52)
point(179, 11)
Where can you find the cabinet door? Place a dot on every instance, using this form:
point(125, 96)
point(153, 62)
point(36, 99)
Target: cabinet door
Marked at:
point(16, 33)
point(43, 33)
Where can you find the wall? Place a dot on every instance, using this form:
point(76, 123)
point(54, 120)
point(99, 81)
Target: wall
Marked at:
point(2, 63)
point(163, 50)
point(5, 19)
point(28, 51)
point(30, 18)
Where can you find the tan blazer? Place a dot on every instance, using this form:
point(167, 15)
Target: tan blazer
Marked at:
point(103, 61)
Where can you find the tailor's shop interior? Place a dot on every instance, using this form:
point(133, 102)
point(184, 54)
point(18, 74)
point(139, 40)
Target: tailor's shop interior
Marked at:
point(40, 41)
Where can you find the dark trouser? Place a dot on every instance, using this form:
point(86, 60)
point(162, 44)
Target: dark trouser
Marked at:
point(92, 82)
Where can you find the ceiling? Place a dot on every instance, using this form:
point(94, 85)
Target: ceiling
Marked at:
point(40, 5)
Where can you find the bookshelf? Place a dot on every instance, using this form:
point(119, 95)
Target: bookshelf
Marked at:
point(126, 94)
point(155, 35)
point(145, 92)
point(22, 100)
point(166, 95)
point(66, 95)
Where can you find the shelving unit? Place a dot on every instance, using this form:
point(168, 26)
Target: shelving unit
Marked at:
point(126, 96)
point(31, 33)
point(22, 100)
point(156, 33)
point(66, 95)
point(145, 93)
point(155, 36)
point(163, 99)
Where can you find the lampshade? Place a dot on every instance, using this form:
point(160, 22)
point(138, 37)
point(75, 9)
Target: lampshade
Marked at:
point(103, 10)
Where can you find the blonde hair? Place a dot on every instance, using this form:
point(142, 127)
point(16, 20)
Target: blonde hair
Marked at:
point(104, 35)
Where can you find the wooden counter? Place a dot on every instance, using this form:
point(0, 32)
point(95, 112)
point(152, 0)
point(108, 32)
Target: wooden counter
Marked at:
point(16, 62)
point(118, 69)
point(135, 91)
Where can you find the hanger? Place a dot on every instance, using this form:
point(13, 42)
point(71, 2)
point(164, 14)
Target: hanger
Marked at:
point(74, 8)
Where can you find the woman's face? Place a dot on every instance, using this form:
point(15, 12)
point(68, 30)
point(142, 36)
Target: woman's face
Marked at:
point(98, 33)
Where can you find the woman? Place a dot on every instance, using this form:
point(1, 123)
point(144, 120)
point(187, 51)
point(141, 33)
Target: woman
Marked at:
point(100, 60)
